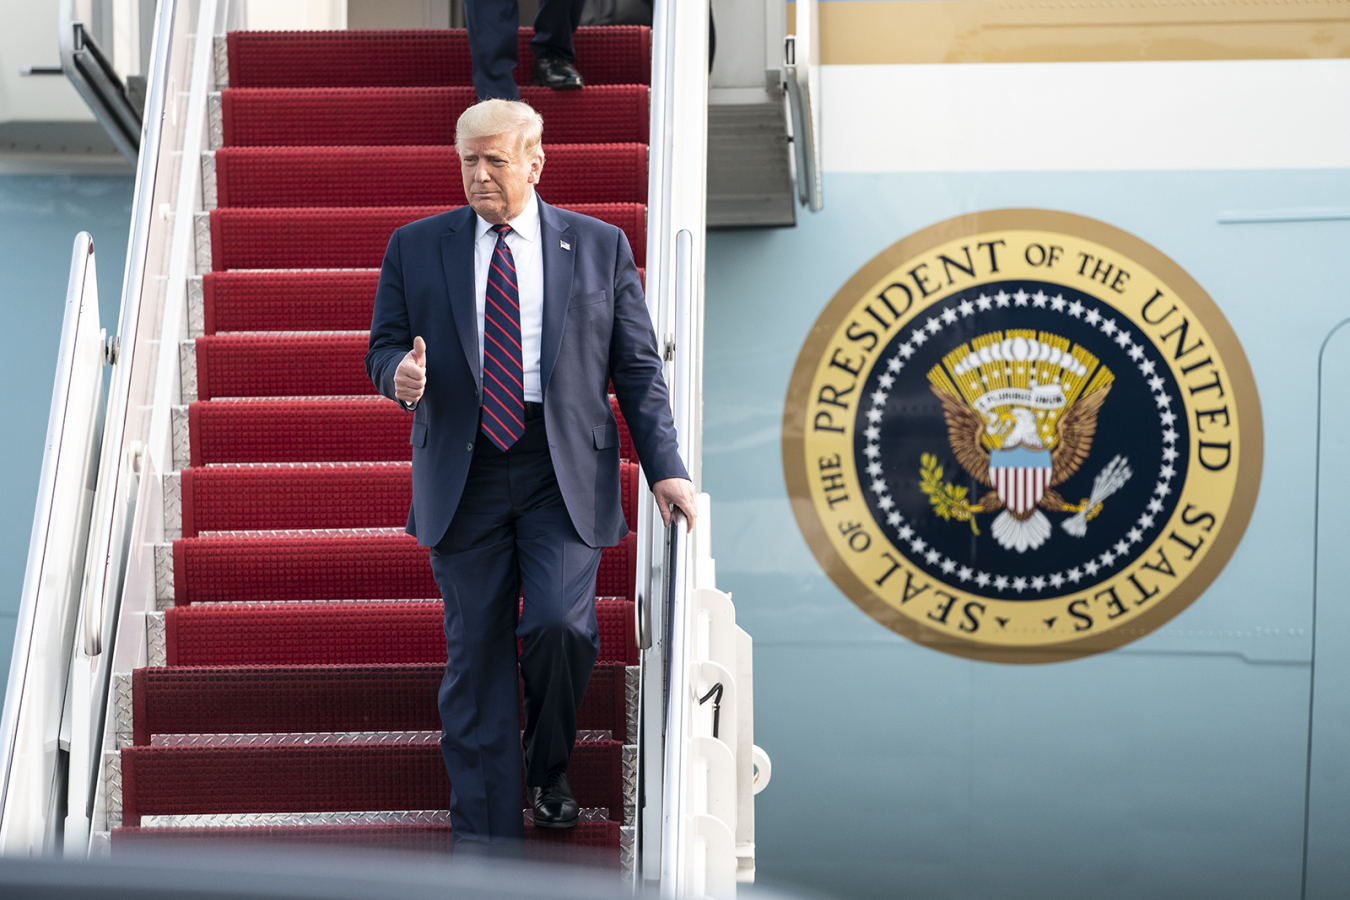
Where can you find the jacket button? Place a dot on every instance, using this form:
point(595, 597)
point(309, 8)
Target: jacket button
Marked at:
point(469, 448)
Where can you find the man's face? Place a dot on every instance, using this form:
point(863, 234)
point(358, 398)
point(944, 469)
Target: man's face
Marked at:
point(498, 176)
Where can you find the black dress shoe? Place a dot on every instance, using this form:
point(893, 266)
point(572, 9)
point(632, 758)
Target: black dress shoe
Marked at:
point(556, 72)
point(554, 806)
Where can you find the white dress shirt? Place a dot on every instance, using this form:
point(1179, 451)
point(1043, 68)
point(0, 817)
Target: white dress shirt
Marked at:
point(527, 252)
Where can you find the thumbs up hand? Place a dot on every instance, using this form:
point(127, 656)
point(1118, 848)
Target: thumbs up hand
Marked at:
point(410, 380)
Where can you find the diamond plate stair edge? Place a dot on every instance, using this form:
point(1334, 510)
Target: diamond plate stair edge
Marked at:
point(187, 366)
point(632, 682)
point(173, 506)
point(196, 307)
point(220, 57)
point(627, 850)
point(100, 845)
point(255, 820)
point(630, 773)
point(215, 121)
point(163, 573)
point(201, 233)
point(123, 727)
point(587, 814)
point(182, 446)
point(209, 196)
point(156, 650)
point(315, 738)
point(112, 788)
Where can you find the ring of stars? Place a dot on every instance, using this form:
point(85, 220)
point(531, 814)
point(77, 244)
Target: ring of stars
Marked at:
point(1121, 335)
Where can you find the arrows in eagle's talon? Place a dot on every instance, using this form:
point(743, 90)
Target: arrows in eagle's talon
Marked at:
point(1111, 479)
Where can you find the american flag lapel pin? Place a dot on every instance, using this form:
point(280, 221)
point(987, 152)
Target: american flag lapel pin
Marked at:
point(564, 245)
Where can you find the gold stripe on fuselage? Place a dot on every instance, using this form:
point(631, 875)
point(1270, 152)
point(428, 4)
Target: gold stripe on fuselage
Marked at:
point(881, 32)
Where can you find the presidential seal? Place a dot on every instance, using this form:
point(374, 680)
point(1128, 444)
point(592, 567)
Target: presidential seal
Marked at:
point(1022, 436)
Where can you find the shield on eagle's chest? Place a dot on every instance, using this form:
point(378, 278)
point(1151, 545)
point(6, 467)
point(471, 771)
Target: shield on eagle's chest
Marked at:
point(1020, 476)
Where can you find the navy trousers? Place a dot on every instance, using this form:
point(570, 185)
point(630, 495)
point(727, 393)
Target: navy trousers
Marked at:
point(494, 41)
point(511, 530)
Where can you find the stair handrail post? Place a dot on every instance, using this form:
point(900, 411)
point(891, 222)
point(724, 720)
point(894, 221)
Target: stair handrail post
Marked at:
point(677, 202)
point(46, 624)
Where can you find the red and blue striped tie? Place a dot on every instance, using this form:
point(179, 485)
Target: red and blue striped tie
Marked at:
point(503, 374)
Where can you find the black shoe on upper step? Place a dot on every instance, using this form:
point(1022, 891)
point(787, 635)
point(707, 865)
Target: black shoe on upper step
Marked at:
point(556, 72)
point(554, 805)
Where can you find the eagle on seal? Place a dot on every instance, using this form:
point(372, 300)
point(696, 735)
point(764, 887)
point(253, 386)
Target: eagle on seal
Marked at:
point(1021, 526)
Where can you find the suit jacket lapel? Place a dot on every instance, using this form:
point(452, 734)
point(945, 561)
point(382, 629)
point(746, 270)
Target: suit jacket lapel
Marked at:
point(558, 266)
point(457, 258)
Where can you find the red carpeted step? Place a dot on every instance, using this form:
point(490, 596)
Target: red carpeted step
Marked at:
point(332, 778)
point(289, 301)
point(373, 564)
point(266, 496)
point(600, 837)
point(286, 364)
point(324, 699)
point(354, 238)
point(608, 55)
point(277, 496)
point(305, 634)
point(324, 429)
point(278, 177)
point(411, 116)
point(318, 429)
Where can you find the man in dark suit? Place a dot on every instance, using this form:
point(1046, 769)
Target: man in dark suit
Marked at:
point(501, 325)
point(494, 45)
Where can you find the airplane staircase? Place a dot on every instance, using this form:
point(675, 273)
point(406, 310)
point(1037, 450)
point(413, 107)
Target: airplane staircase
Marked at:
point(258, 644)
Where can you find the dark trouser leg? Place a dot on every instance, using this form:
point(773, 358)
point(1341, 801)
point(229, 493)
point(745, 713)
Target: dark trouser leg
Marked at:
point(494, 44)
point(477, 571)
point(553, 28)
point(559, 637)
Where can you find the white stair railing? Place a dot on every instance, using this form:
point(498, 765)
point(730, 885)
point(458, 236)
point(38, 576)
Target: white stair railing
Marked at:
point(34, 736)
point(698, 760)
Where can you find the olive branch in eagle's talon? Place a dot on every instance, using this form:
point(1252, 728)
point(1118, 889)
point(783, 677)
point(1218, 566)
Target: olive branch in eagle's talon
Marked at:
point(948, 500)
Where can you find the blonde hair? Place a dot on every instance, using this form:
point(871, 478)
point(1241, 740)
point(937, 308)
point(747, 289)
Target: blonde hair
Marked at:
point(502, 117)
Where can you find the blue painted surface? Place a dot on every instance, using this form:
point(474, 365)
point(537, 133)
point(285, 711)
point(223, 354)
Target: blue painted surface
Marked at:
point(39, 218)
point(1173, 767)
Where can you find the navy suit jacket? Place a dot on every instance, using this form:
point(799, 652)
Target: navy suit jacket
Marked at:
point(596, 329)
